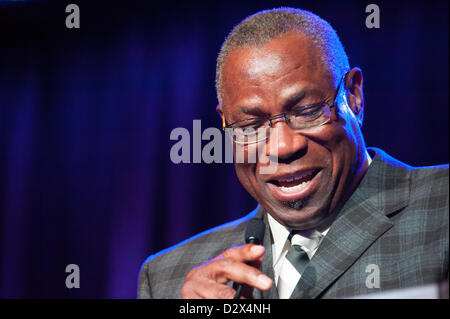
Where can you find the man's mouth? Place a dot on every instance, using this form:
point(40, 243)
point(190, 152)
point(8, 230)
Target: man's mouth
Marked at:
point(293, 186)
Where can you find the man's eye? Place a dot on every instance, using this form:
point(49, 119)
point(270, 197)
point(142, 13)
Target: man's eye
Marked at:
point(252, 125)
point(249, 129)
point(308, 111)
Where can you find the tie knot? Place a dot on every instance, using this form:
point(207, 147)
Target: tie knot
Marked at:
point(307, 241)
point(298, 248)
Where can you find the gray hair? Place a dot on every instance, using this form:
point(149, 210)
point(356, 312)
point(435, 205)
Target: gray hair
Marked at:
point(258, 29)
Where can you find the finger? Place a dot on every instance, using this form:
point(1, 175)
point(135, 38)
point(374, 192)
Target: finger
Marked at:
point(199, 284)
point(230, 265)
point(189, 293)
point(201, 288)
point(256, 263)
point(213, 290)
point(246, 291)
point(245, 253)
point(227, 269)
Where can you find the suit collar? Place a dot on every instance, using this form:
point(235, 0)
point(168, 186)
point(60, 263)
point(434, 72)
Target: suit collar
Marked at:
point(386, 185)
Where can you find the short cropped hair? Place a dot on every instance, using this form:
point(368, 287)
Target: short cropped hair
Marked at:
point(258, 29)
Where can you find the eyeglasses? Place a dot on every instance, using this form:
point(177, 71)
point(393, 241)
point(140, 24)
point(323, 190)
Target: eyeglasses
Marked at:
point(254, 130)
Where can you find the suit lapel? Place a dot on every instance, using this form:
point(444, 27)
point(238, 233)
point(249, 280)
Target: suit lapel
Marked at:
point(348, 238)
point(383, 190)
point(267, 266)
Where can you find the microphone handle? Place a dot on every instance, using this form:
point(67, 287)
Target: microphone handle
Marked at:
point(252, 240)
point(238, 292)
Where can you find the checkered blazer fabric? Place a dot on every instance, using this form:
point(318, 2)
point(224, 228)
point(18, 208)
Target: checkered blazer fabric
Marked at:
point(397, 220)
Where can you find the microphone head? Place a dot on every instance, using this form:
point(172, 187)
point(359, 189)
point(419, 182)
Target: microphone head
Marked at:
point(254, 233)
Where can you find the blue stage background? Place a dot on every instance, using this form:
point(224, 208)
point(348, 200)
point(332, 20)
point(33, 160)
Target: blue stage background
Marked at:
point(86, 114)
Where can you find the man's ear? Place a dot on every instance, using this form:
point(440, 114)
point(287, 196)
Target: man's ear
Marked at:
point(220, 111)
point(355, 97)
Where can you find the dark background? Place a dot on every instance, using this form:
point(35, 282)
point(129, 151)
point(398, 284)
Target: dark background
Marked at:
point(86, 114)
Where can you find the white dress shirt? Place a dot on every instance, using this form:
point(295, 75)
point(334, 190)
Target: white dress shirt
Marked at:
point(309, 241)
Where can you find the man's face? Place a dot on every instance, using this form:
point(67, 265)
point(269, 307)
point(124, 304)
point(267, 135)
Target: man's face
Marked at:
point(316, 166)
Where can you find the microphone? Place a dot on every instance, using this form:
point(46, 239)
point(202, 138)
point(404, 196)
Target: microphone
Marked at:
point(254, 234)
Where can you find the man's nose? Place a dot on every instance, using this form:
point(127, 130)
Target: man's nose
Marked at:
point(284, 143)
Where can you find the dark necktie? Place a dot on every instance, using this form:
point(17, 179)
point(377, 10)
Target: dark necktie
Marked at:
point(295, 263)
point(298, 258)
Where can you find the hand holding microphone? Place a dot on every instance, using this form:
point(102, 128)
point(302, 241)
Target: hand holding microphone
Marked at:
point(254, 234)
point(210, 279)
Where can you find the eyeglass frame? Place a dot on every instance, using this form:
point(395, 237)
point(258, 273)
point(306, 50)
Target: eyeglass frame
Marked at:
point(285, 114)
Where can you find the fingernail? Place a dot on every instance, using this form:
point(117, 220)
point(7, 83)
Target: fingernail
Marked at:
point(264, 281)
point(257, 249)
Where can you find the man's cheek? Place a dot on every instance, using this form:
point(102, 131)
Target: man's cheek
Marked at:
point(255, 154)
point(247, 177)
point(245, 154)
point(347, 127)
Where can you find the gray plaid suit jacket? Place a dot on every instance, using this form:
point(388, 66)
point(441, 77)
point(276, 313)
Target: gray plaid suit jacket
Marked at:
point(397, 219)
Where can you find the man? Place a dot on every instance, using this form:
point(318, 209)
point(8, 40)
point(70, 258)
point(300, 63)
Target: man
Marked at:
point(342, 220)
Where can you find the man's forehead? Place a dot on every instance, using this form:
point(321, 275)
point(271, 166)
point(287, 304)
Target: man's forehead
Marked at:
point(266, 63)
point(271, 60)
point(291, 58)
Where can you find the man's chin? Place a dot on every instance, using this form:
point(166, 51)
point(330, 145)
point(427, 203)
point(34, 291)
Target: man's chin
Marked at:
point(295, 204)
point(299, 215)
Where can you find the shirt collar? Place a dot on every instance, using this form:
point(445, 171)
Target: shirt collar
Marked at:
point(280, 236)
